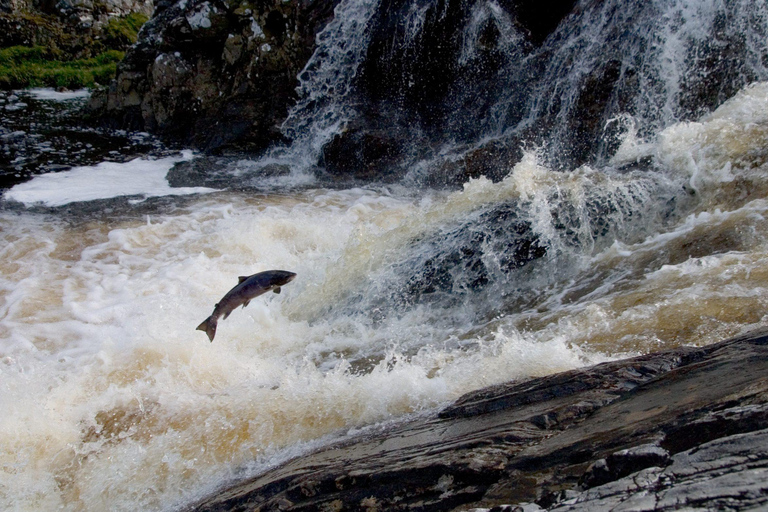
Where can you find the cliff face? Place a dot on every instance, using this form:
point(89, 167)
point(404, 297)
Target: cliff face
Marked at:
point(667, 431)
point(213, 73)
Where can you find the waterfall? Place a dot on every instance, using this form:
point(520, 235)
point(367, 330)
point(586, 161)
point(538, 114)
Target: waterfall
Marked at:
point(326, 80)
point(658, 61)
point(439, 76)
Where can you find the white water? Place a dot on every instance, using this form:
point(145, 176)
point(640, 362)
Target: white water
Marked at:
point(326, 81)
point(662, 60)
point(138, 177)
point(54, 95)
point(112, 401)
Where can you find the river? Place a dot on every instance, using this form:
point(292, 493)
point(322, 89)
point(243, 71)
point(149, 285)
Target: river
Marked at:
point(405, 298)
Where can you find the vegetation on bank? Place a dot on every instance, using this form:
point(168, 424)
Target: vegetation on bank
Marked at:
point(22, 66)
point(40, 66)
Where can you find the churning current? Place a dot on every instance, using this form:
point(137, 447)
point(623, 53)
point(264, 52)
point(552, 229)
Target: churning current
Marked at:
point(404, 300)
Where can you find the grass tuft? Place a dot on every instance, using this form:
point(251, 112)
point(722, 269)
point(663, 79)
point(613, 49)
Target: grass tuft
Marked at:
point(37, 66)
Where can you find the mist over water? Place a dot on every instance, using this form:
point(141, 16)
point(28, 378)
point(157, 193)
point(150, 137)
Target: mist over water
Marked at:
point(405, 297)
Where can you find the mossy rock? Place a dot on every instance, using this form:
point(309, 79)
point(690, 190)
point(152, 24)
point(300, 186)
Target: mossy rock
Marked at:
point(122, 32)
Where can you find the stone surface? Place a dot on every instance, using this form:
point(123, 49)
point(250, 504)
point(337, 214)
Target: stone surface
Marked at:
point(215, 73)
point(730, 473)
point(684, 428)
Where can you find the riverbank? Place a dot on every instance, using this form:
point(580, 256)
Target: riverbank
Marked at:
point(679, 428)
point(22, 67)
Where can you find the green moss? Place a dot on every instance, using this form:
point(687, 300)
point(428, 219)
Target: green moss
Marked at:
point(120, 32)
point(22, 66)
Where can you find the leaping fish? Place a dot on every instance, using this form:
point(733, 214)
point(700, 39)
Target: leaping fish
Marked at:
point(247, 288)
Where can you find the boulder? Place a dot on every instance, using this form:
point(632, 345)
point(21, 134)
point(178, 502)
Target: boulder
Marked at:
point(215, 74)
point(363, 154)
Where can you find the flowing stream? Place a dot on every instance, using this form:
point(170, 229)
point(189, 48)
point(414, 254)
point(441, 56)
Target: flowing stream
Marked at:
point(406, 297)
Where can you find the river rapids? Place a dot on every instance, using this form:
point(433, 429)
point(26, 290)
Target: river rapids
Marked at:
point(406, 297)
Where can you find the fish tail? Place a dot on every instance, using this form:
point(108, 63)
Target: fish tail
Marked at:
point(209, 326)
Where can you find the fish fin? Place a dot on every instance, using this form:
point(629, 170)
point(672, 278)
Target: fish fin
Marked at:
point(276, 290)
point(226, 315)
point(246, 303)
point(240, 279)
point(209, 327)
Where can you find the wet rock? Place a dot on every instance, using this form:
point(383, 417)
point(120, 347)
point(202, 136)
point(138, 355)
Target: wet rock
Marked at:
point(437, 72)
point(491, 450)
point(457, 260)
point(462, 262)
point(623, 463)
point(730, 473)
point(493, 159)
point(538, 22)
point(432, 74)
point(215, 74)
point(49, 136)
point(223, 172)
point(363, 155)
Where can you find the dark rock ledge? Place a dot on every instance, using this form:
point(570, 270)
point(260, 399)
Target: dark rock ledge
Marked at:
point(681, 429)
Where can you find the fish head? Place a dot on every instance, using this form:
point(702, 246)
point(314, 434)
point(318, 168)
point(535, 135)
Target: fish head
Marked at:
point(282, 277)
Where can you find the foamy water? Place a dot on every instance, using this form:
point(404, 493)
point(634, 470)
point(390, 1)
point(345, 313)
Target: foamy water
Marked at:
point(139, 177)
point(113, 401)
point(43, 93)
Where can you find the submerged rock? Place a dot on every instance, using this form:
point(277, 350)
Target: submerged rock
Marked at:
point(686, 427)
point(230, 172)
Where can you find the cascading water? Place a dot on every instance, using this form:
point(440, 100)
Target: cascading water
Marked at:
point(406, 297)
point(326, 80)
point(660, 61)
point(455, 76)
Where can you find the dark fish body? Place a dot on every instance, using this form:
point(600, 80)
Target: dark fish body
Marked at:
point(248, 288)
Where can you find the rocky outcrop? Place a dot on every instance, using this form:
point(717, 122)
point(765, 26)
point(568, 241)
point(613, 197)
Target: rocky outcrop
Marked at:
point(684, 428)
point(71, 29)
point(443, 90)
point(215, 73)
